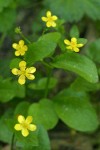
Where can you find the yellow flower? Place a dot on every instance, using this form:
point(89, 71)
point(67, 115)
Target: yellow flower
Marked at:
point(73, 45)
point(24, 72)
point(20, 48)
point(25, 125)
point(50, 20)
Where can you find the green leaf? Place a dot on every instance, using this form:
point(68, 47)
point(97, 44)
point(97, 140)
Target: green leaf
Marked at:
point(75, 110)
point(62, 44)
point(41, 84)
point(18, 89)
point(82, 40)
point(35, 140)
point(82, 85)
point(9, 90)
point(44, 113)
point(59, 26)
point(44, 47)
point(5, 133)
point(79, 64)
point(7, 19)
point(29, 141)
point(4, 65)
point(93, 51)
point(74, 32)
point(15, 63)
point(74, 10)
point(6, 91)
point(22, 109)
point(43, 138)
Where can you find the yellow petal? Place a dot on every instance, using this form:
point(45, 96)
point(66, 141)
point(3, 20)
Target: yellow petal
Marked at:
point(22, 53)
point(80, 45)
point(53, 24)
point(22, 64)
point(18, 127)
point(48, 14)
point(48, 24)
point(15, 71)
point(25, 132)
point(21, 119)
point(44, 19)
point(25, 48)
point(76, 49)
point(69, 47)
point(17, 53)
point(32, 127)
point(21, 79)
point(54, 17)
point(14, 45)
point(30, 76)
point(30, 70)
point(67, 42)
point(21, 42)
point(74, 40)
point(29, 119)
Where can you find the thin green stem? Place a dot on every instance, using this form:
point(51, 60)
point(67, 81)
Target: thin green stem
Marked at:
point(47, 83)
point(45, 30)
point(46, 64)
point(12, 142)
point(22, 35)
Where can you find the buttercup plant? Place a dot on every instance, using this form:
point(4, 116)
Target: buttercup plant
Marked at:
point(49, 19)
point(24, 72)
point(41, 99)
point(20, 48)
point(25, 125)
point(73, 45)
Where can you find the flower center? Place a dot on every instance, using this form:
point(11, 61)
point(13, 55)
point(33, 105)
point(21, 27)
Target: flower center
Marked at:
point(73, 44)
point(19, 47)
point(23, 72)
point(50, 19)
point(24, 125)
